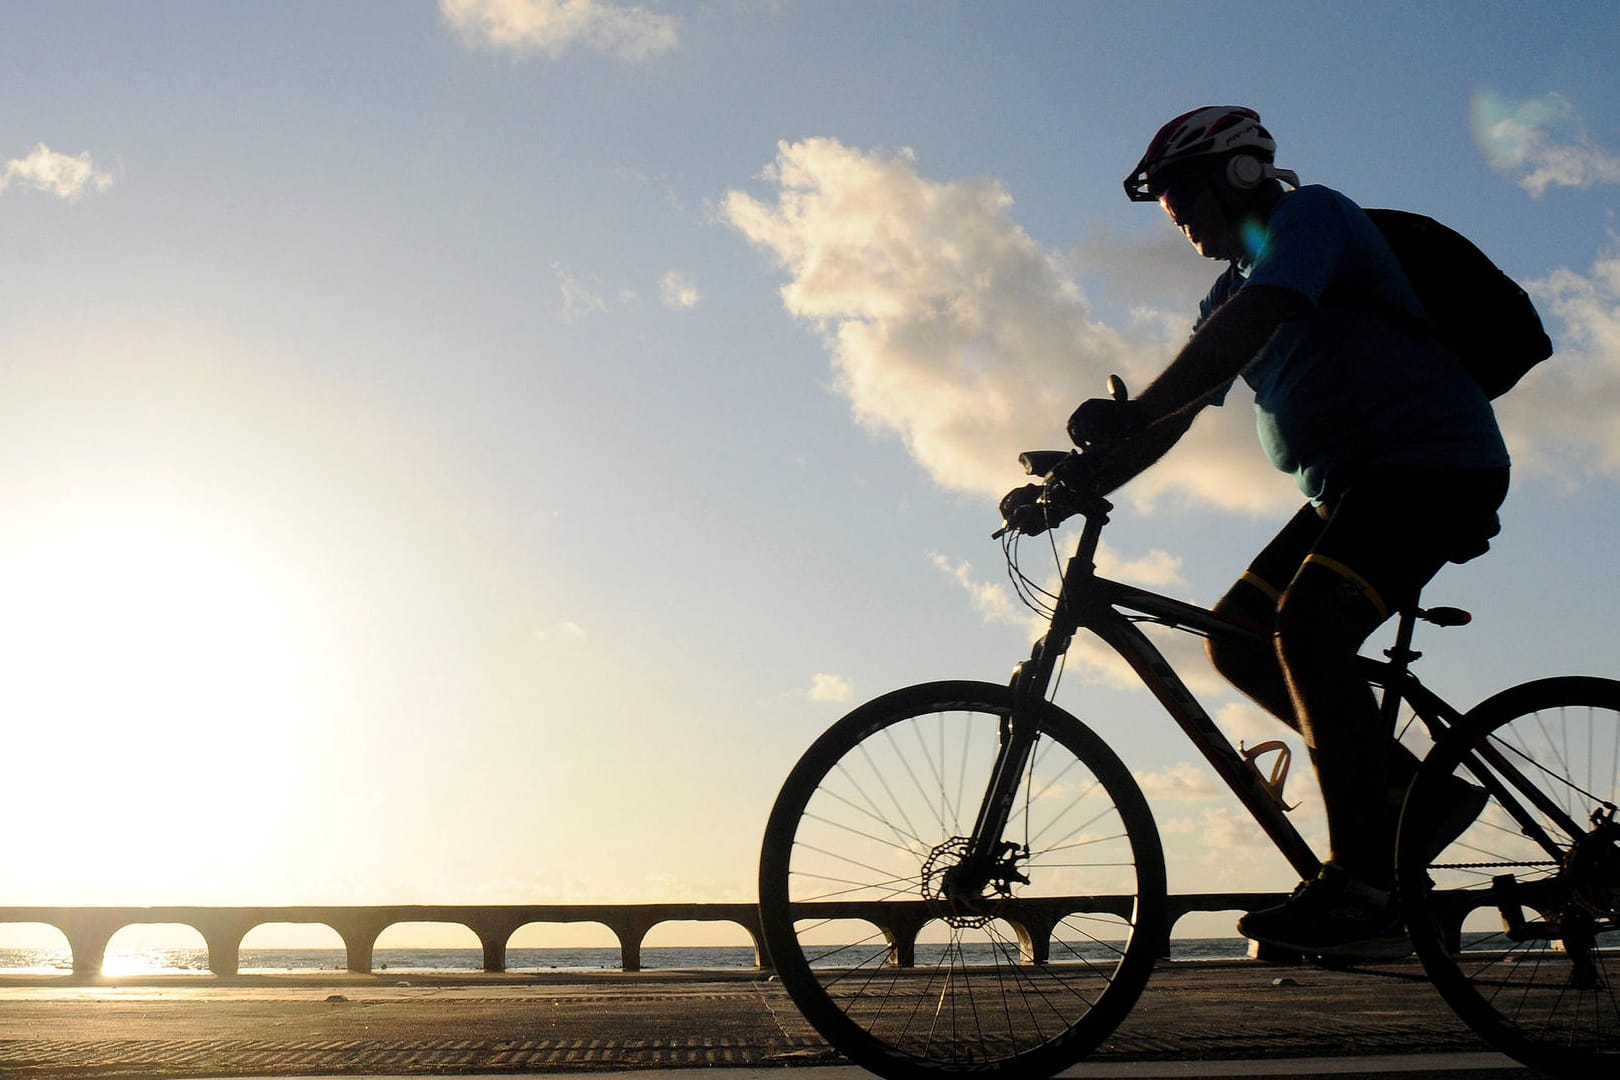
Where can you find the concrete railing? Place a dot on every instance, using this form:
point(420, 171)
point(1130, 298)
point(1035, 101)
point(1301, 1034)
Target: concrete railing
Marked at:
point(89, 929)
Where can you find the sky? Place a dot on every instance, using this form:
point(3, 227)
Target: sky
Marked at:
point(463, 452)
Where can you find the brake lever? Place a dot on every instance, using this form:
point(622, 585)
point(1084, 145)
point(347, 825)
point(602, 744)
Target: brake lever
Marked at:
point(1014, 524)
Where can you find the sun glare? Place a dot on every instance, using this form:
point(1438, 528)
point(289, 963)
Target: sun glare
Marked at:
point(146, 651)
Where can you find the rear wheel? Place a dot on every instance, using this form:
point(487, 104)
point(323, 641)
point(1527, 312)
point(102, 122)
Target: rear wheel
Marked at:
point(893, 968)
point(1517, 921)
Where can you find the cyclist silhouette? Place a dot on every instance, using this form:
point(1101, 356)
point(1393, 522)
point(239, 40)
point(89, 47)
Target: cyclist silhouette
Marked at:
point(1394, 444)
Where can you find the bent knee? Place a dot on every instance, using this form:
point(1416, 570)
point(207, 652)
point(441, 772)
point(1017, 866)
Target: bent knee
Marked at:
point(1324, 616)
point(1242, 663)
point(1237, 661)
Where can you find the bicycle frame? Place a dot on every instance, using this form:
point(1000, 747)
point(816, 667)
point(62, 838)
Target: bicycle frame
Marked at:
point(1089, 602)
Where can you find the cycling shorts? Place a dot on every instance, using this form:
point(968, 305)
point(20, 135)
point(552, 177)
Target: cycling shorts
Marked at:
point(1390, 532)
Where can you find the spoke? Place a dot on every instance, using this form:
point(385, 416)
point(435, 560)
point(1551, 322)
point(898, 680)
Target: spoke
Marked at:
point(881, 841)
point(961, 776)
point(896, 887)
point(1562, 783)
point(922, 792)
point(1082, 827)
point(1110, 838)
point(870, 810)
point(1070, 806)
point(834, 950)
point(946, 819)
point(1614, 767)
point(845, 859)
point(883, 781)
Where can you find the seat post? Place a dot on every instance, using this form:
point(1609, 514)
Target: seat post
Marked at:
point(1401, 655)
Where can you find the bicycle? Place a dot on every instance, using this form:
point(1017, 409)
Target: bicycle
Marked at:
point(1048, 889)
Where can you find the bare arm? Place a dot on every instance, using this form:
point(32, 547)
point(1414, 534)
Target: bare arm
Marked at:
point(1221, 349)
point(1218, 353)
point(1128, 458)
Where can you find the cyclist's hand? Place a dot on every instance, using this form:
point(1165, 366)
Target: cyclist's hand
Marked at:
point(1022, 511)
point(1072, 481)
point(1103, 421)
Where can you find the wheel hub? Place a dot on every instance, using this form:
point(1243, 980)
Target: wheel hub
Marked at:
point(963, 896)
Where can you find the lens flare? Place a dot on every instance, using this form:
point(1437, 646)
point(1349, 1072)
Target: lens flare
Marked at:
point(1255, 235)
point(1539, 142)
point(1504, 131)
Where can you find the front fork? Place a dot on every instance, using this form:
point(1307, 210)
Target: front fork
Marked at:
point(990, 864)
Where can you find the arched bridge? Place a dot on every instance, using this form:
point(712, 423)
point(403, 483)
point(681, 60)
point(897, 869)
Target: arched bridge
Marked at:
point(89, 929)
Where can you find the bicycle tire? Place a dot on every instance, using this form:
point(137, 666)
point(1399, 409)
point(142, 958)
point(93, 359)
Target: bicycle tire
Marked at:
point(1521, 934)
point(865, 825)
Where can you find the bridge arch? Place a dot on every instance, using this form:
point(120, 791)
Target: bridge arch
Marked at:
point(857, 941)
point(562, 939)
point(427, 934)
point(309, 937)
point(139, 947)
point(664, 937)
point(34, 948)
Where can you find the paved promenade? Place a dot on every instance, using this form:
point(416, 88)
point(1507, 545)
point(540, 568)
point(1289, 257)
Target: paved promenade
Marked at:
point(1195, 1019)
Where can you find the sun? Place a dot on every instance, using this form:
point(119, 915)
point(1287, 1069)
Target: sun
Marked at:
point(150, 651)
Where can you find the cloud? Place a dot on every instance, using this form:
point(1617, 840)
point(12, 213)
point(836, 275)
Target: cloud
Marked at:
point(1245, 722)
point(1560, 420)
point(565, 630)
point(57, 174)
point(582, 299)
point(1156, 570)
point(1539, 142)
point(1095, 662)
point(578, 300)
point(678, 292)
point(553, 26)
point(991, 599)
point(1181, 782)
point(1151, 274)
point(950, 328)
point(833, 688)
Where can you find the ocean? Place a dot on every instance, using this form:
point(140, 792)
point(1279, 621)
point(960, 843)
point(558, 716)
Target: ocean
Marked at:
point(191, 961)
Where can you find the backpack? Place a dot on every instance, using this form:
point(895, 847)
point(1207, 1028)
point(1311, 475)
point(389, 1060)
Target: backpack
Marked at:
point(1477, 310)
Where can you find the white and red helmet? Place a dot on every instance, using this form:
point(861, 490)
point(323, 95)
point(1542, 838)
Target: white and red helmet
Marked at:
point(1211, 131)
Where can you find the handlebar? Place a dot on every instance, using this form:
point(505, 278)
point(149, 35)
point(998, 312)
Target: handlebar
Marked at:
point(1069, 486)
point(1067, 491)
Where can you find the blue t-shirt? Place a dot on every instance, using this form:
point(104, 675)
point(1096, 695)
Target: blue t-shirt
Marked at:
point(1356, 380)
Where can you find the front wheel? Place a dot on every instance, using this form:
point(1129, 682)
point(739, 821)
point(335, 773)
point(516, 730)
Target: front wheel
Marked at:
point(890, 964)
point(1517, 921)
